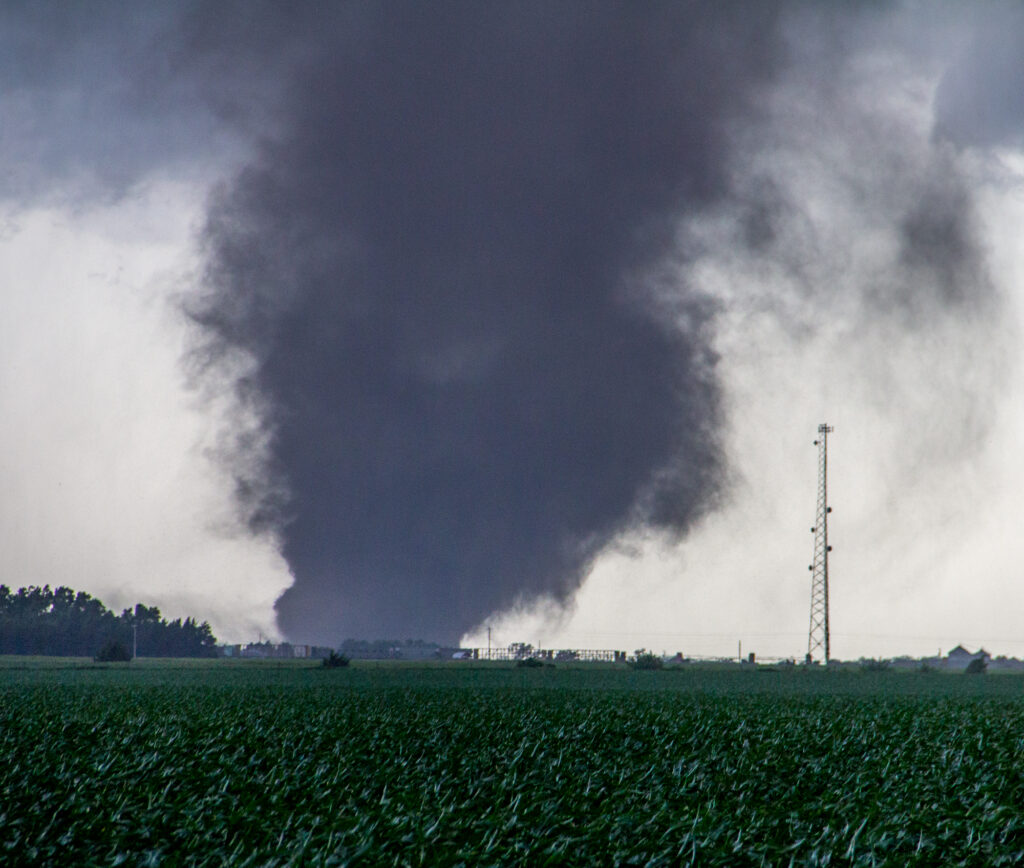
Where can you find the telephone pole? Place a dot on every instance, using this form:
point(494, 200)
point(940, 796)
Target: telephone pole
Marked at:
point(817, 634)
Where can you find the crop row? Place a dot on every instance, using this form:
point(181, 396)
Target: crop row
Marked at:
point(273, 776)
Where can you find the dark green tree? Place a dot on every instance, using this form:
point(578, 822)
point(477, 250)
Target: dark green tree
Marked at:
point(64, 622)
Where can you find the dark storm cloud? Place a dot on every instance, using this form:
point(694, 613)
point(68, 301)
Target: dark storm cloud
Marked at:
point(89, 101)
point(939, 240)
point(429, 261)
point(96, 96)
point(980, 100)
point(65, 82)
point(851, 109)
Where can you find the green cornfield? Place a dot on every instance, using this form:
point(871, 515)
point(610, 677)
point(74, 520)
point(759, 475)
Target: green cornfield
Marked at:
point(234, 764)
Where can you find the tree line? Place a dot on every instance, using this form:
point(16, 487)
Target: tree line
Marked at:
point(68, 623)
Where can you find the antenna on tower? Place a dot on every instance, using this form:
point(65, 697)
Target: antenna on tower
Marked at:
point(817, 635)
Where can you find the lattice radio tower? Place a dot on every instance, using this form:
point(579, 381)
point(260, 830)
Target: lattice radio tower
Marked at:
point(817, 635)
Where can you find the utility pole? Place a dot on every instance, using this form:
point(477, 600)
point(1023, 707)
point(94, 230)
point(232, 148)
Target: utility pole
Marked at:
point(488, 643)
point(818, 633)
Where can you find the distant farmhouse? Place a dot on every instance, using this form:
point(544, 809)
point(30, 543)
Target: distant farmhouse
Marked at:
point(957, 660)
point(960, 658)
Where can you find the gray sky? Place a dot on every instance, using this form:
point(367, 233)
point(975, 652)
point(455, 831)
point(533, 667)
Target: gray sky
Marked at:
point(393, 319)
